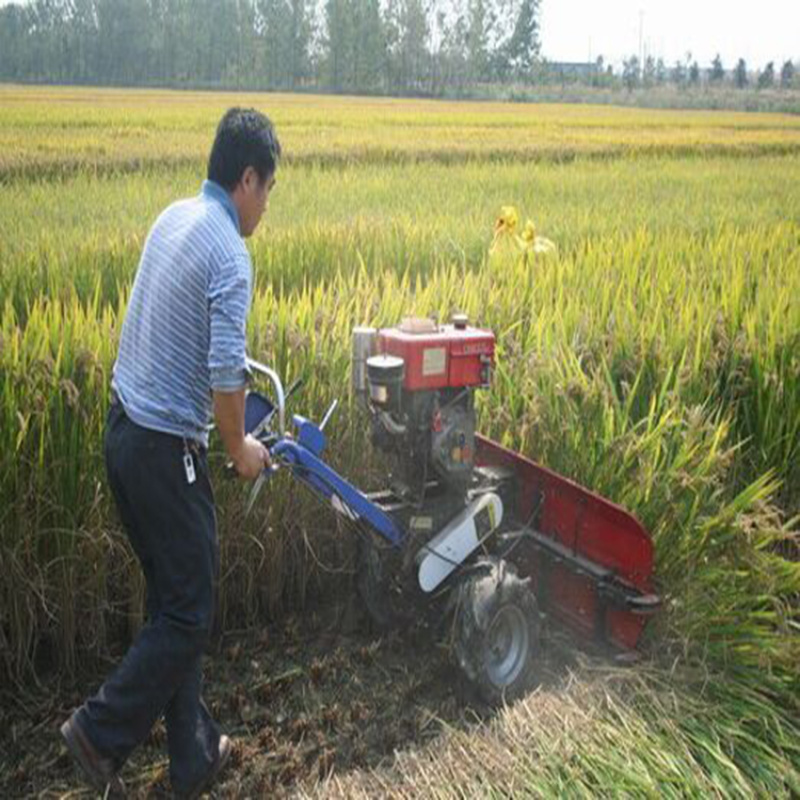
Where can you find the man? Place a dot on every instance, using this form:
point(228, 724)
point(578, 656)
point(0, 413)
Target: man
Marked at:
point(181, 356)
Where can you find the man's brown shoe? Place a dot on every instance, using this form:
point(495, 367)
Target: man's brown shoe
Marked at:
point(225, 750)
point(99, 771)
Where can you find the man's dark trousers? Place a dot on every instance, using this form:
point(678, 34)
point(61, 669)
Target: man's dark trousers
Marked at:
point(171, 526)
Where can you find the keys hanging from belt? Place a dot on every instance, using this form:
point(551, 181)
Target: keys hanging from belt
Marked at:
point(188, 464)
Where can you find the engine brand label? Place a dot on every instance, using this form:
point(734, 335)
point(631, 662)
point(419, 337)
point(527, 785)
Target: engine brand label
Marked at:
point(434, 361)
point(476, 349)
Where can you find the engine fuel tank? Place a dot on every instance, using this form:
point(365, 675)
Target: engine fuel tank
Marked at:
point(440, 356)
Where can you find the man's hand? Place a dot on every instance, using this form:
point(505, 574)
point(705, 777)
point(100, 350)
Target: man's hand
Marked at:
point(249, 456)
point(251, 459)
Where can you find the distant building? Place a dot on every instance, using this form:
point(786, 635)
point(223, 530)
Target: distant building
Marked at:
point(572, 69)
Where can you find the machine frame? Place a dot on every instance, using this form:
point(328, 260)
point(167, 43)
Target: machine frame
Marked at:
point(587, 562)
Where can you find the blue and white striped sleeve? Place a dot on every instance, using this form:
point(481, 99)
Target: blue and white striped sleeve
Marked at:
point(229, 292)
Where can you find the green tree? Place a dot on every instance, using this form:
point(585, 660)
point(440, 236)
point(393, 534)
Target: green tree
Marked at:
point(355, 46)
point(787, 74)
point(740, 74)
point(717, 73)
point(246, 74)
point(766, 79)
point(694, 74)
point(478, 31)
point(599, 76)
point(413, 46)
point(631, 73)
point(523, 45)
point(123, 42)
point(661, 72)
point(15, 23)
point(371, 51)
point(338, 43)
point(300, 30)
point(454, 68)
point(678, 74)
point(649, 71)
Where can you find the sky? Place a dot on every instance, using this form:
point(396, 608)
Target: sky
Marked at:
point(768, 30)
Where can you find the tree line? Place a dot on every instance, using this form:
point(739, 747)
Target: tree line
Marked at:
point(408, 47)
point(427, 47)
point(654, 72)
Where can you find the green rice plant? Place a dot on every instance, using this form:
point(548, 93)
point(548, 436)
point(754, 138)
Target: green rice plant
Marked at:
point(631, 430)
point(652, 357)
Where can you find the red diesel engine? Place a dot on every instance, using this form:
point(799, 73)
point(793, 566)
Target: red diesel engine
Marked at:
point(419, 382)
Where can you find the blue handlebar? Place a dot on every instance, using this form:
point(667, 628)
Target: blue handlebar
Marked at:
point(302, 455)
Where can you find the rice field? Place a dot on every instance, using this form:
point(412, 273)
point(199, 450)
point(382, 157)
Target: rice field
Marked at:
point(64, 131)
point(654, 357)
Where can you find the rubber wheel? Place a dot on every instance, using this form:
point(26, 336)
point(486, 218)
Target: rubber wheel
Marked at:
point(497, 631)
point(377, 584)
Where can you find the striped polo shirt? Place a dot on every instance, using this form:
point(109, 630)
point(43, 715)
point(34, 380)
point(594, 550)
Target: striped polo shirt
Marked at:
point(184, 330)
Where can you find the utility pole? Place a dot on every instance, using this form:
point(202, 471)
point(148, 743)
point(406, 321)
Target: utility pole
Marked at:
point(641, 51)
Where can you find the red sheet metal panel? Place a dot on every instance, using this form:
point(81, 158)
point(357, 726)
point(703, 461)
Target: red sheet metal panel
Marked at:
point(590, 527)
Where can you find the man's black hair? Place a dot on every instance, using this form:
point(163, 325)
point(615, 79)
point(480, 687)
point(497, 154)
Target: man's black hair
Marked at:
point(245, 138)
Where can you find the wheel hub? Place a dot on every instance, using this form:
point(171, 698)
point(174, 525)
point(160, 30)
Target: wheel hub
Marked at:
point(508, 639)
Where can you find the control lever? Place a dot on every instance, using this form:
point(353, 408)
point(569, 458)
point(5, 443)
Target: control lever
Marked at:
point(266, 473)
point(328, 414)
point(297, 384)
point(257, 486)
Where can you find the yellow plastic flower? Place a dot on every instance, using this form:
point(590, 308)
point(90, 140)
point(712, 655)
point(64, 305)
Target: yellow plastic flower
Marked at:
point(507, 221)
point(528, 235)
point(528, 240)
point(542, 245)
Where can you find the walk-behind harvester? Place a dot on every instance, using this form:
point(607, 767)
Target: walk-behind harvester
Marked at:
point(478, 538)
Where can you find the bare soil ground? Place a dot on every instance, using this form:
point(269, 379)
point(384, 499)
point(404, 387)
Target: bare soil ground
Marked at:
point(302, 701)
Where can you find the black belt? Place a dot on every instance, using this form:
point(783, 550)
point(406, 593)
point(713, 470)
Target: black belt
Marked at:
point(190, 442)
